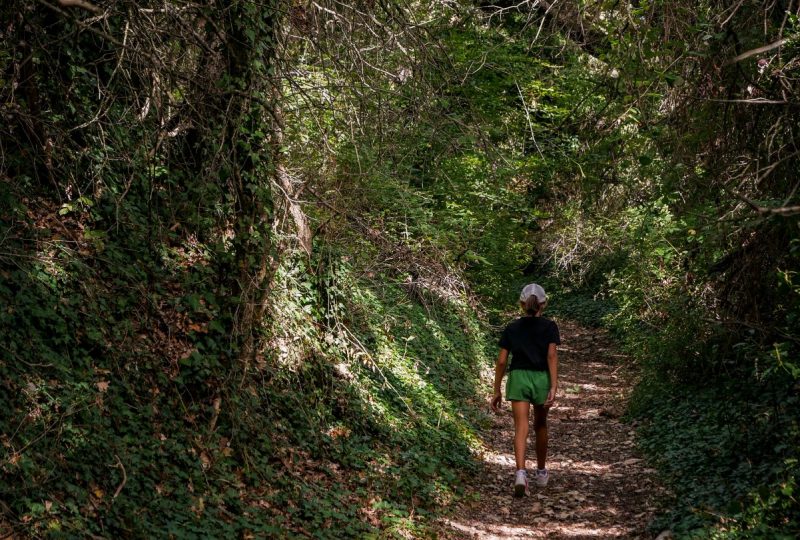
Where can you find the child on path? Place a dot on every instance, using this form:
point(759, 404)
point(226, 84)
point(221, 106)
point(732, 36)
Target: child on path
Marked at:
point(532, 379)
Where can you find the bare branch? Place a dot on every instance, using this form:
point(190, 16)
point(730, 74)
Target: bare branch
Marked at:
point(124, 477)
point(759, 50)
point(735, 9)
point(83, 4)
point(83, 25)
point(756, 101)
point(785, 211)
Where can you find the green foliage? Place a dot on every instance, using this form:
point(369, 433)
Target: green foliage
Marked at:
point(651, 167)
point(327, 426)
point(129, 406)
point(736, 466)
point(581, 306)
point(172, 366)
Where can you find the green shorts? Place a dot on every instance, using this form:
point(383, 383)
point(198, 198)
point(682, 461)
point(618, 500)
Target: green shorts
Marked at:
point(528, 385)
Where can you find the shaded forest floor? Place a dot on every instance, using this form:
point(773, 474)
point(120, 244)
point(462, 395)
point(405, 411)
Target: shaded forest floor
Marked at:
point(599, 486)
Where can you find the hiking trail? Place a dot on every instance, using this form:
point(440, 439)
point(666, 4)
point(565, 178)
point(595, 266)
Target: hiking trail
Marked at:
point(599, 486)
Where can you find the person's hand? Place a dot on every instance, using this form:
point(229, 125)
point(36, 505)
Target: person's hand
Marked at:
point(551, 397)
point(496, 400)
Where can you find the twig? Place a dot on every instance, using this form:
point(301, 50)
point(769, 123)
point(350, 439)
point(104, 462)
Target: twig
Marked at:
point(756, 101)
point(82, 24)
point(214, 417)
point(528, 117)
point(730, 322)
point(735, 9)
point(124, 477)
point(83, 4)
point(765, 210)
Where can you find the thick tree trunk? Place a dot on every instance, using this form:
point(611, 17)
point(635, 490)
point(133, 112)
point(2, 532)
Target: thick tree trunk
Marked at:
point(266, 195)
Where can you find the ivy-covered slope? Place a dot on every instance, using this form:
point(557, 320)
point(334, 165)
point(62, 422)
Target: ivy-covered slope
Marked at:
point(125, 414)
point(173, 362)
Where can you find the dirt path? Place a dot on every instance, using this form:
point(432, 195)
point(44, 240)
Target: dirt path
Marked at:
point(599, 487)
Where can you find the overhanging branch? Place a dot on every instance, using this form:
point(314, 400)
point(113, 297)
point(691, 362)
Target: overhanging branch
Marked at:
point(759, 50)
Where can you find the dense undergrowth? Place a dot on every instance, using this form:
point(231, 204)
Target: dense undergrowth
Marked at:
point(717, 404)
point(251, 258)
point(685, 232)
point(724, 440)
point(175, 363)
point(126, 415)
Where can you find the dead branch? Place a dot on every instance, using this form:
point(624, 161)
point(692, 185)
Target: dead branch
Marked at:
point(756, 101)
point(124, 478)
point(215, 406)
point(83, 25)
point(83, 4)
point(759, 50)
point(785, 211)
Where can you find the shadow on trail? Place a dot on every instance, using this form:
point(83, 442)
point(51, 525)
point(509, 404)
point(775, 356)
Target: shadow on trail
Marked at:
point(599, 487)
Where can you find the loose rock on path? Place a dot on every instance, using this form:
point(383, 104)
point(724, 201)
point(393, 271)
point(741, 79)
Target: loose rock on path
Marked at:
point(599, 487)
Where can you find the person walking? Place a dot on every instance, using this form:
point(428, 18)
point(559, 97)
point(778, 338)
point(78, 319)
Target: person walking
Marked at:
point(531, 341)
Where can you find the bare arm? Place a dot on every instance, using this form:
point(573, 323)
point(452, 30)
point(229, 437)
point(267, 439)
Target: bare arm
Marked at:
point(499, 371)
point(552, 367)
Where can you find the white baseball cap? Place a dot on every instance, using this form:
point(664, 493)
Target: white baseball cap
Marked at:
point(533, 289)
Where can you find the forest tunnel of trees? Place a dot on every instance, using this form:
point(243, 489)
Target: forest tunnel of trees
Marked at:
point(254, 256)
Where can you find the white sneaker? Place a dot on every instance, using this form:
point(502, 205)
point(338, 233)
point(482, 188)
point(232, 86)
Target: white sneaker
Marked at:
point(521, 483)
point(541, 477)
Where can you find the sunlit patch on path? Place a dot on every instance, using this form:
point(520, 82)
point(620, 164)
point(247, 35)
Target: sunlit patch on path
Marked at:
point(599, 487)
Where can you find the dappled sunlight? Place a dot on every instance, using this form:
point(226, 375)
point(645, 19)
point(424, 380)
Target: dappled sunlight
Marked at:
point(254, 262)
point(598, 487)
point(581, 467)
point(503, 460)
point(477, 529)
point(558, 408)
point(577, 531)
point(569, 388)
point(485, 531)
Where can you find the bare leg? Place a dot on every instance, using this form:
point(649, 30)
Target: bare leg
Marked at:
point(540, 429)
point(521, 410)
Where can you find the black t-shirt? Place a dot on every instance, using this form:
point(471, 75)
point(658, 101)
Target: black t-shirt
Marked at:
point(527, 339)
